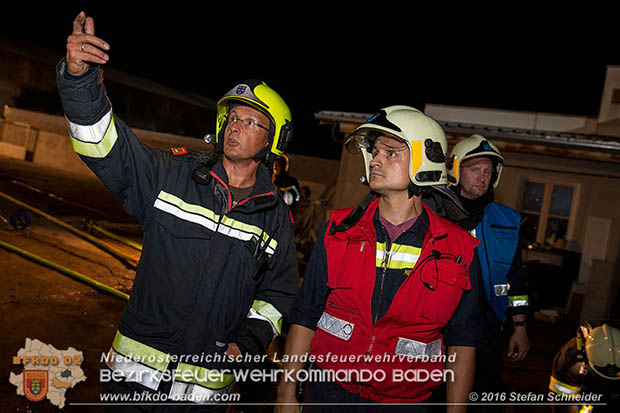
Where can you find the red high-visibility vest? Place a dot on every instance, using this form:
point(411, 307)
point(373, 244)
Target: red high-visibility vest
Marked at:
point(389, 361)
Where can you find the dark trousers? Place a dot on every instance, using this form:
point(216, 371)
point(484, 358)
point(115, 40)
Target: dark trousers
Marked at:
point(489, 368)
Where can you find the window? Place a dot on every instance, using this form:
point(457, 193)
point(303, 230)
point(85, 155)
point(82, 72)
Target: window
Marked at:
point(548, 209)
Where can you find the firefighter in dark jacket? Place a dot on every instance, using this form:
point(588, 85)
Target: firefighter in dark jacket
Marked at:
point(387, 288)
point(287, 185)
point(585, 373)
point(218, 270)
point(474, 170)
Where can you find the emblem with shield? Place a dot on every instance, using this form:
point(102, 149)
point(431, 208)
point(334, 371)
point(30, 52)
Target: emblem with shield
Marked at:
point(35, 384)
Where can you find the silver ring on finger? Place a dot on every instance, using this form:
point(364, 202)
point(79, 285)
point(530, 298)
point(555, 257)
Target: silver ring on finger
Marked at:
point(82, 48)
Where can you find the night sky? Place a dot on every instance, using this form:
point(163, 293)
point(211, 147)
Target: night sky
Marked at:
point(358, 60)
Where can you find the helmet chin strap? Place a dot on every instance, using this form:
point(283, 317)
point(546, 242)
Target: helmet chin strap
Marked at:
point(266, 157)
point(261, 154)
point(414, 190)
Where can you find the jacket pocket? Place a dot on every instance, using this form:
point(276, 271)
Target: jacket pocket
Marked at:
point(504, 234)
point(346, 262)
point(190, 226)
point(442, 288)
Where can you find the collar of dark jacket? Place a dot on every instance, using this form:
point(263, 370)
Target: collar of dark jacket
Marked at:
point(262, 195)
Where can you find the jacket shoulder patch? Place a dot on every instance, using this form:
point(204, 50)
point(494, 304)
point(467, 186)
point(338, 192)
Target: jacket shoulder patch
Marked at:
point(182, 150)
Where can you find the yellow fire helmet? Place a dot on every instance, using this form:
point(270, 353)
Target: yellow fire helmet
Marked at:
point(422, 134)
point(473, 147)
point(258, 95)
point(602, 348)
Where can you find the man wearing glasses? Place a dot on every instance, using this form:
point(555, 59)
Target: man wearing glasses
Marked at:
point(218, 271)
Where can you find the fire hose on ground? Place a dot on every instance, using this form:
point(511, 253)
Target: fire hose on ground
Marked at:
point(64, 270)
point(59, 198)
point(91, 225)
point(127, 259)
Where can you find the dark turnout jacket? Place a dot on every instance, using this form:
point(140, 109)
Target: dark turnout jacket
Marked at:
point(210, 273)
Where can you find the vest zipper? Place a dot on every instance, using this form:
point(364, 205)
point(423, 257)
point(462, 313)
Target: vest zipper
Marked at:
point(381, 290)
point(372, 343)
point(383, 272)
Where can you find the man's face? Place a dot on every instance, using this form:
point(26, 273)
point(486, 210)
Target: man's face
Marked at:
point(389, 167)
point(242, 141)
point(475, 177)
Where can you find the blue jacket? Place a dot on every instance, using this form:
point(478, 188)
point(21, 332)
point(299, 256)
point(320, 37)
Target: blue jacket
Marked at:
point(498, 233)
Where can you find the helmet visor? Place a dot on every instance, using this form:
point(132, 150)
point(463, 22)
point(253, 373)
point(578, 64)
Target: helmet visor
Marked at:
point(364, 140)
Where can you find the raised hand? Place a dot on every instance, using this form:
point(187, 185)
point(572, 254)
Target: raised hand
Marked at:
point(83, 47)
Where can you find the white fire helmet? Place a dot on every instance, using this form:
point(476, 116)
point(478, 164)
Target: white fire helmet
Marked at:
point(602, 349)
point(422, 134)
point(473, 147)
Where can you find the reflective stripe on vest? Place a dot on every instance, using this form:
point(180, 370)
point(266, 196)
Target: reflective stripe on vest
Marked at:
point(412, 348)
point(399, 257)
point(557, 386)
point(501, 289)
point(335, 326)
